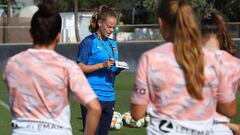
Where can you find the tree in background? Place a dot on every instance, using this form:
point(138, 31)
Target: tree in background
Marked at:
point(76, 20)
point(146, 9)
point(89, 5)
point(202, 7)
point(231, 9)
point(9, 15)
point(65, 5)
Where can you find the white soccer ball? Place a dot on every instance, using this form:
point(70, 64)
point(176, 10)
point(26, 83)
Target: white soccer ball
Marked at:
point(117, 114)
point(127, 118)
point(138, 124)
point(117, 126)
point(116, 121)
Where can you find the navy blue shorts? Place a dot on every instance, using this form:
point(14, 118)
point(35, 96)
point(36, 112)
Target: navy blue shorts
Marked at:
point(106, 117)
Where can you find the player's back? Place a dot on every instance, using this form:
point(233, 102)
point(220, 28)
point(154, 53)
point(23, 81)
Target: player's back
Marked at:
point(167, 85)
point(38, 90)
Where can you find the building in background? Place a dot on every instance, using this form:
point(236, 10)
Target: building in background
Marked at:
point(17, 31)
point(25, 3)
point(68, 28)
point(2, 13)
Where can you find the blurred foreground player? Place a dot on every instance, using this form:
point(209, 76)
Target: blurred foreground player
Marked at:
point(216, 37)
point(40, 80)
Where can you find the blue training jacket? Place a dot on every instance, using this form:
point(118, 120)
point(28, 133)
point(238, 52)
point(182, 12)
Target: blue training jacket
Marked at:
point(92, 51)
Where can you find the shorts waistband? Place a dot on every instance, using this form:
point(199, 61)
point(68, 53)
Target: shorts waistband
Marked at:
point(167, 126)
point(218, 122)
point(38, 126)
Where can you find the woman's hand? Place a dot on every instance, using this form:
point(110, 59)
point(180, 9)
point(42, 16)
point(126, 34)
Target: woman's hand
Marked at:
point(234, 127)
point(109, 63)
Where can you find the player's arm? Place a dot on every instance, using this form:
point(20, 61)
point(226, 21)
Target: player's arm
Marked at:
point(84, 94)
point(226, 98)
point(91, 68)
point(140, 94)
point(234, 127)
point(93, 116)
point(84, 52)
point(82, 60)
point(227, 109)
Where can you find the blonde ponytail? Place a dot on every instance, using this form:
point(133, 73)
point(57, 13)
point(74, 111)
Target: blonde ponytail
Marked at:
point(187, 43)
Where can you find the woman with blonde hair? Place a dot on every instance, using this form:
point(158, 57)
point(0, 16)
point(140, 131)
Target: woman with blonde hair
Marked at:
point(178, 83)
point(96, 57)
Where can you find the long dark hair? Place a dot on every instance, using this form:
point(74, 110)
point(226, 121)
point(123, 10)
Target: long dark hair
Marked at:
point(46, 22)
point(186, 37)
point(214, 23)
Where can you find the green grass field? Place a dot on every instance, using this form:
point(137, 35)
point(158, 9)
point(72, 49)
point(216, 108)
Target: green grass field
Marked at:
point(123, 85)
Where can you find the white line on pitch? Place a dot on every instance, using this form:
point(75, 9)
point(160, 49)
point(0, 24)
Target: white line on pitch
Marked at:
point(4, 105)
